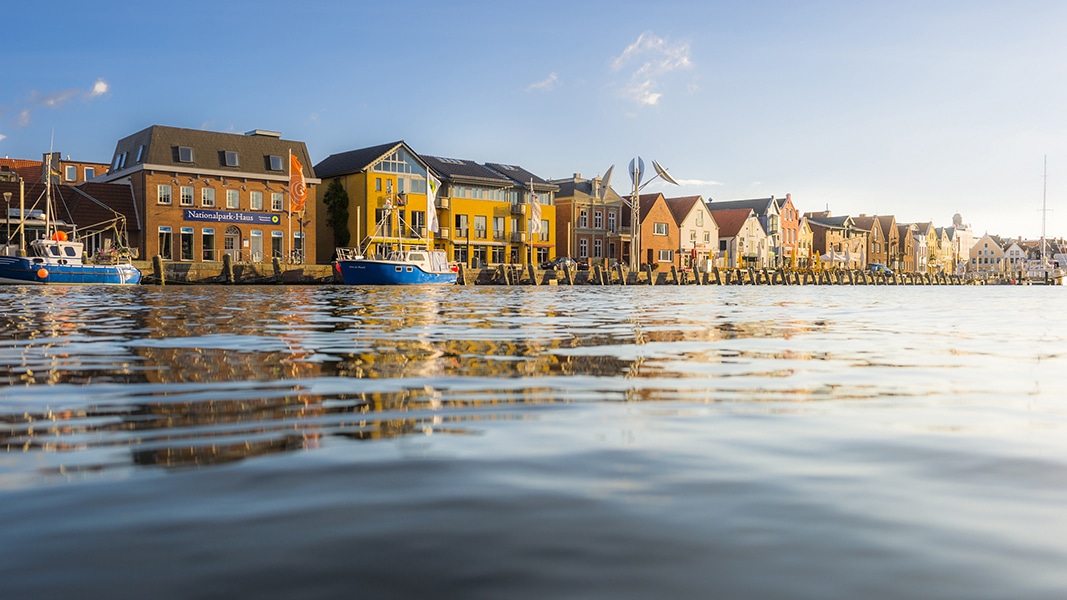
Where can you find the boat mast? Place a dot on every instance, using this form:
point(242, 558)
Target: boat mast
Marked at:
point(1044, 215)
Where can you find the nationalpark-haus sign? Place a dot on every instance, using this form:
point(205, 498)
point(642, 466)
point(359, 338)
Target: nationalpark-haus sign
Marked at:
point(225, 216)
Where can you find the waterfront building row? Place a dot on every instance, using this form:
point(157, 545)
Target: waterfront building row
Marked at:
point(191, 196)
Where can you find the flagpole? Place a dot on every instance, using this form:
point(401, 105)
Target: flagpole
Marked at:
point(289, 212)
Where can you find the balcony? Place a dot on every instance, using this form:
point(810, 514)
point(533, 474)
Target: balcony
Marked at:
point(518, 237)
point(518, 209)
point(463, 232)
point(442, 233)
point(442, 203)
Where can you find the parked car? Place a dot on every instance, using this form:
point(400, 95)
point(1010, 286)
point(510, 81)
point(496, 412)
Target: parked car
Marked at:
point(559, 262)
point(879, 268)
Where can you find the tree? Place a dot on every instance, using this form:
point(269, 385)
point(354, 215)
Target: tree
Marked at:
point(336, 201)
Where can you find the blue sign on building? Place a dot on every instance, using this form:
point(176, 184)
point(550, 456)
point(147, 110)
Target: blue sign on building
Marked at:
point(226, 216)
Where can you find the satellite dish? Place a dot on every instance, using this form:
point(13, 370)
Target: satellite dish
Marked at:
point(663, 173)
point(605, 182)
point(635, 173)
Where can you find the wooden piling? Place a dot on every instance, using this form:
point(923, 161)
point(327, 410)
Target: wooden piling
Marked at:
point(158, 270)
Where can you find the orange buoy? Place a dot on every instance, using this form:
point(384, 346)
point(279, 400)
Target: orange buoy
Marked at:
point(42, 273)
point(60, 236)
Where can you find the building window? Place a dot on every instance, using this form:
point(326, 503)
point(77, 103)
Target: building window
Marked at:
point(277, 240)
point(186, 195)
point(700, 218)
point(70, 173)
point(163, 194)
point(598, 248)
point(230, 158)
point(598, 219)
point(207, 197)
point(544, 231)
point(207, 243)
point(255, 200)
point(659, 229)
point(185, 154)
point(140, 153)
point(611, 222)
point(707, 237)
point(276, 200)
point(583, 248)
point(479, 227)
point(276, 163)
point(498, 229)
point(377, 184)
point(499, 253)
point(583, 218)
point(166, 243)
point(233, 199)
point(298, 246)
point(611, 250)
point(666, 256)
point(90, 173)
point(185, 243)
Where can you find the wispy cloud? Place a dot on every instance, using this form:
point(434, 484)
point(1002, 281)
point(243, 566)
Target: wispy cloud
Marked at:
point(56, 100)
point(651, 57)
point(699, 182)
point(545, 85)
point(2, 137)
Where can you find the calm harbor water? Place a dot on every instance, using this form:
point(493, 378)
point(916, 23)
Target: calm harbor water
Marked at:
point(697, 442)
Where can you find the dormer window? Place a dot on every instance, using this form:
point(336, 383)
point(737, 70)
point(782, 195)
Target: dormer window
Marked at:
point(230, 159)
point(185, 154)
point(276, 163)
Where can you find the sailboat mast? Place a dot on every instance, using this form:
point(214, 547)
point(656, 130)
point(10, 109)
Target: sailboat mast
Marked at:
point(1044, 214)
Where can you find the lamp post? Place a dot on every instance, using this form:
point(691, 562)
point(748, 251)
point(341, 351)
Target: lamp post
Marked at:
point(7, 219)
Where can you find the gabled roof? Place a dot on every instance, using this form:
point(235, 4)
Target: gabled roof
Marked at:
point(831, 222)
point(82, 205)
point(458, 170)
point(523, 177)
point(582, 188)
point(681, 207)
point(865, 223)
point(731, 220)
point(887, 223)
point(761, 206)
point(646, 203)
point(158, 146)
point(354, 161)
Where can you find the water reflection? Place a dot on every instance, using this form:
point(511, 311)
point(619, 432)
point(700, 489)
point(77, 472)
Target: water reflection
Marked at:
point(208, 375)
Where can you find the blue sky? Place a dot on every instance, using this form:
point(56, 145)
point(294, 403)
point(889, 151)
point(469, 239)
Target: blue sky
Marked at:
point(918, 109)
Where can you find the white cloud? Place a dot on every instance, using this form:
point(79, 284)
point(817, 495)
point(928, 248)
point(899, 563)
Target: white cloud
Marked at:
point(547, 84)
point(58, 99)
point(699, 182)
point(650, 57)
point(2, 137)
point(99, 88)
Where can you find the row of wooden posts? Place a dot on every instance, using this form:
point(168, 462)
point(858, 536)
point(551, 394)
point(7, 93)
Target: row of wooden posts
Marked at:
point(620, 275)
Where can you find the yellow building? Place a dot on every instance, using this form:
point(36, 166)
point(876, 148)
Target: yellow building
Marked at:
point(387, 194)
point(487, 213)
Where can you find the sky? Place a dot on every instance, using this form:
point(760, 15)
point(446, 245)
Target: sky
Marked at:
point(918, 109)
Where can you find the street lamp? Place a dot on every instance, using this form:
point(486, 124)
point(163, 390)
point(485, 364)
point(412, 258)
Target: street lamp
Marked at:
point(637, 166)
point(7, 219)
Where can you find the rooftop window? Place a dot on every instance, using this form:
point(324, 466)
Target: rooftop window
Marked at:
point(185, 154)
point(230, 159)
point(276, 163)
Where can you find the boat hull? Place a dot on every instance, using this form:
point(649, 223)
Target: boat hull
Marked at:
point(386, 272)
point(25, 271)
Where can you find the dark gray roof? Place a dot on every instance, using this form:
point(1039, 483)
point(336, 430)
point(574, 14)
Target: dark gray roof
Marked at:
point(161, 143)
point(760, 206)
point(466, 171)
point(523, 177)
point(834, 222)
point(354, 161)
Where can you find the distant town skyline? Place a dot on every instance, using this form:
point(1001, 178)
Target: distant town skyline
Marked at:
point(908, 108)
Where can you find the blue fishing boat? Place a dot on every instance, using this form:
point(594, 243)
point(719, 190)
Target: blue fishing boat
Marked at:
point(55, 257)
point(401, 267)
